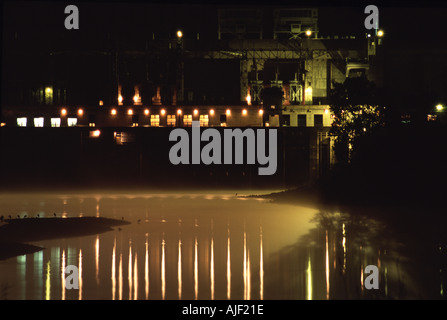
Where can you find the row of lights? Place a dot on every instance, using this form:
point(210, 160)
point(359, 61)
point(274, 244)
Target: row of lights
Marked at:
point(162, 112)
point(113, 112)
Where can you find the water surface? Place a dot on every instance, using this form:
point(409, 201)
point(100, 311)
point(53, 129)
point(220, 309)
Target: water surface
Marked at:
point(216, 245)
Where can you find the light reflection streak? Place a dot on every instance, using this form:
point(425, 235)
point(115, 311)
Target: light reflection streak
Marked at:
point(146, 269)
point(228, 265)
point(344, 249)
point(48, 281)
point(179, 270)
point(163, 269)
point(135, 278)
point(212, 268)
point(120, 278)
point(309, 280)
point(114, 270)
point(129, 271)
point(80, 274)
point(196, 270)
point(261, 266)
point(97, 259)
point(327, 266)
point(63, 276)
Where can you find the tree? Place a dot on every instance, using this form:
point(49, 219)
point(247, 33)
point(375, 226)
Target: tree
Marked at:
point(357, 112)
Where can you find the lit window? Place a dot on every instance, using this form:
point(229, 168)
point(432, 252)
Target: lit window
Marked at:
point(101, 103)
point(91, 124)
point(38, 122)
point(155, 120)
point(72, 122)
point(21, 122)
point(187, 120)
point(171, 120)
point(204, 120)
point(95, 134)
point(55, 122)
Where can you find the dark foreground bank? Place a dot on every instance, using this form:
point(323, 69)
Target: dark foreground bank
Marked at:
point(15, 233)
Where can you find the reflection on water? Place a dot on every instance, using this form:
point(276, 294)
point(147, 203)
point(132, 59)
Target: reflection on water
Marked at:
point(217, 246)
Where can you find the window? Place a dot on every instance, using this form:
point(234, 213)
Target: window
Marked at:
point(155, 120)
point(55, 122)
point(318, 120)
point(223, 120)
point(204, 120)
point(135, 120)
point(286, 120)
point(38, 122)
point(302, 120)
point(171, 120)
point(21, 122)
point(187, 120)
point(72, 122)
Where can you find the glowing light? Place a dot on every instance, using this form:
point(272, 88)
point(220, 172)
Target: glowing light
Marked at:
point(113, 112)
point(63, 111)
point(179, 111)
point(380, 33)
point(248, 98)
point(228, 112)
point(95, 134)
point(120, 99)
point(326, 111)
point(80, 112)
point(212, 112)
point(196, 112)
point(162, 112)
point(101, 103)
point(179, 34)
point(244, 112)
point(130, 112)
point(146, 112)
point(48, 90)
point(261, 112)
point(308, 33)
point(439, 107)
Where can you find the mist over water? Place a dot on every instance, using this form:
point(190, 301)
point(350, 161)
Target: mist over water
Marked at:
point(212, 245)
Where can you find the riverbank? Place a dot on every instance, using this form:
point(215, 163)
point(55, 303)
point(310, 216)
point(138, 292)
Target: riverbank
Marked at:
point(15, 233)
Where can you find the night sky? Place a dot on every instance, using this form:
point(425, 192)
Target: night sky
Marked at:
point(415, 36)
